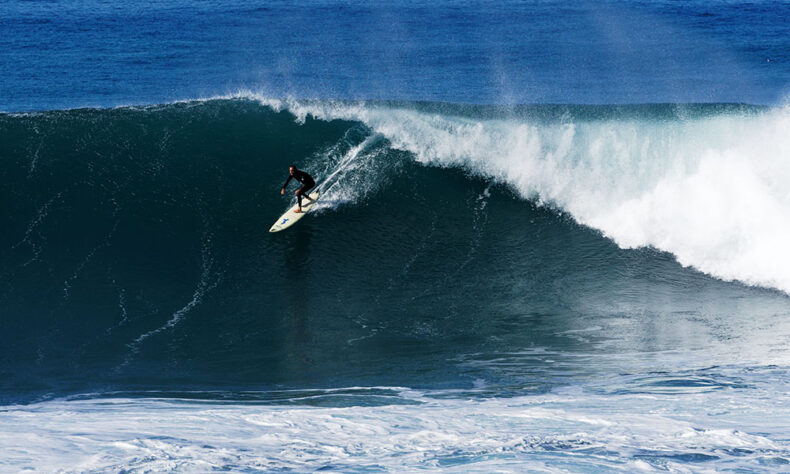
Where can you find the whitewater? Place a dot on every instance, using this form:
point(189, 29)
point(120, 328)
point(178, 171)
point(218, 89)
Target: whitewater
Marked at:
point(404, 429)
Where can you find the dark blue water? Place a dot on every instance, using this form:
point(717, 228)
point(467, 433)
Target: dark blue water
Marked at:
point(552, 236)
point(96, 53)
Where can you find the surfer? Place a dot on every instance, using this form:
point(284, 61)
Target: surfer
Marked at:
point(307, 184)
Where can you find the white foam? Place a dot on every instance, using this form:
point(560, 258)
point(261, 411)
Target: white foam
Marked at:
point(710, 190)
point(568, 430)
point(347, 172)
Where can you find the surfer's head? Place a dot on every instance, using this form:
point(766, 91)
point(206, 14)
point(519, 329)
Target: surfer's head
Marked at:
point(291, 169)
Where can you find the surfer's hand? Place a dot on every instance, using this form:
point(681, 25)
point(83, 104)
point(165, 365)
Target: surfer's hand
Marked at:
point(282, 192)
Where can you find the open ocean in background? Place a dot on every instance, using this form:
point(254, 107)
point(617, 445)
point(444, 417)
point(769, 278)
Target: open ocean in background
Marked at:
point(554, 236)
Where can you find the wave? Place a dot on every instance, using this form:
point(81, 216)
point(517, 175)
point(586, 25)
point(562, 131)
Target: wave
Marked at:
point(135, 251)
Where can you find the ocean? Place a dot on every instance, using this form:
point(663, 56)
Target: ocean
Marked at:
point(552, 236)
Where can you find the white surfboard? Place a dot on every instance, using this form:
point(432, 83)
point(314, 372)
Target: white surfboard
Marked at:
point(290, 217)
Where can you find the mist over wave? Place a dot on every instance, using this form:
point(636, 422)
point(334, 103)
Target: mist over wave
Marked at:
point(707, 185)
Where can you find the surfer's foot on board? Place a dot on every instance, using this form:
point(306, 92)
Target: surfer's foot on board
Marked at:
point(297, 211)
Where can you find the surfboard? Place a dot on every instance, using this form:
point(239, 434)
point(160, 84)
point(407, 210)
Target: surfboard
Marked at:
point(290, 217)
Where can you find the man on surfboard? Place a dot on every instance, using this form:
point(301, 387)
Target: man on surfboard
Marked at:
point(307, 184)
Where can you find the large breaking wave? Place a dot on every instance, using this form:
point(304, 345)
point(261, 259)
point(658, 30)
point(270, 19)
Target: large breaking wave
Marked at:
point(707, 183)
point(515, 268)
point(135, 242)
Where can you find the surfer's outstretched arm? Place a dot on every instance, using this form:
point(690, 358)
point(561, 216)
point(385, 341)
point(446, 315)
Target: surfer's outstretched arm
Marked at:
point(282, 191)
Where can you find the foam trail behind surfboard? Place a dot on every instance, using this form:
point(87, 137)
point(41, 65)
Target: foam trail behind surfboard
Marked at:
point(330, 181)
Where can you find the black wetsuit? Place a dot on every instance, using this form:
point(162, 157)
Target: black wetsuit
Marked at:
point(304, 178)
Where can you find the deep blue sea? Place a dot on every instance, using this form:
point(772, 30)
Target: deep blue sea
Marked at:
point(553, 236)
